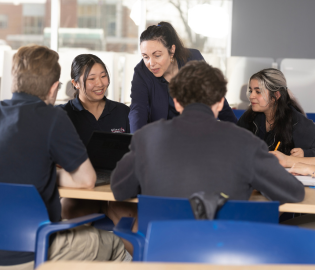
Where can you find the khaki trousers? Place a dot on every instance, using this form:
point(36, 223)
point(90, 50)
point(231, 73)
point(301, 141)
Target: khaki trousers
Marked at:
point(84, 243)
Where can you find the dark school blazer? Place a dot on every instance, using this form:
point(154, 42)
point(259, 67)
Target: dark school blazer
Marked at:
point(194, 152)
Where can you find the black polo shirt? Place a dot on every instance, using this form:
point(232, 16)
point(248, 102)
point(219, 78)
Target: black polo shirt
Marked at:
point(113, 119)
point(34, 137)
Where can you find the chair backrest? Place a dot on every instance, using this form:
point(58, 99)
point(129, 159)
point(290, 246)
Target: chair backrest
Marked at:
point(22, 210)
point(264, 212)
point(229, 242)
point(152, 208)
point(238, 113)
point(311, 116)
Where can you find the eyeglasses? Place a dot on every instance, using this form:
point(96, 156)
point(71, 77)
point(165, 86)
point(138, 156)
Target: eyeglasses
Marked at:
point(59, 85)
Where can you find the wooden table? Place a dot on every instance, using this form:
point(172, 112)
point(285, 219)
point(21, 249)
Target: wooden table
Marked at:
point(63, 265)
point(306, 206)
point(104, 193)
point(101, 193)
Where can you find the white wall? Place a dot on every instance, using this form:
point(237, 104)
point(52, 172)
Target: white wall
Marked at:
point(6, 80)
point(273, 28)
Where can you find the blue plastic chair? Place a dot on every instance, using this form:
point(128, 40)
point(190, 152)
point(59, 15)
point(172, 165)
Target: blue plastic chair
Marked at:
point(25, 225)
point(229, 243)
point(238, 113)
point(152, 208)
point(311, 116)
point(105, 224)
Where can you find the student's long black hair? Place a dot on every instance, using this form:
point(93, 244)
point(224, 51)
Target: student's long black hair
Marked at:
point(273, 80)
point(167, 35)
point(83, 63)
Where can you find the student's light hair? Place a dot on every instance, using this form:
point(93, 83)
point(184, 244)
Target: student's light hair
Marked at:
point(34, 70)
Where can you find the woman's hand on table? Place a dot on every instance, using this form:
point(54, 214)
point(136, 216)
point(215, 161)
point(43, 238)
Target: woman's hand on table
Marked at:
point(297, 152)
point(302, 169)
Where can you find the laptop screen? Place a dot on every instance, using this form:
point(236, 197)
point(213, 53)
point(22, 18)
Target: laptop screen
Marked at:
point(106, 149)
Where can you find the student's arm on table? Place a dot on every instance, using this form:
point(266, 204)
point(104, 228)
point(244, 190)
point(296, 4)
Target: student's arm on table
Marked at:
point(273, 180)
point(123, 181)
point(67, 150)
point(302, 169)
point(288, 161)
point(83, 177)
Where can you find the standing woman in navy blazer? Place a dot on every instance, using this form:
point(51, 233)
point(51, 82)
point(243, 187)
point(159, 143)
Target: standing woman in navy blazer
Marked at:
point(163, 55)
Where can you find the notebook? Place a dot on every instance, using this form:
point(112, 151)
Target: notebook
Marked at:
point(105, 150)
point(306, 180)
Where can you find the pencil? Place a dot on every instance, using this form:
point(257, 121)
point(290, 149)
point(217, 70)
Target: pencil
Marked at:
point(277, 146)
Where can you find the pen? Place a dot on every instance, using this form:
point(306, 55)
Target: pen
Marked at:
point(277, 146)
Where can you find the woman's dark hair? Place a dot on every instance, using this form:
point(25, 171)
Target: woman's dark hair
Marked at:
point(166, 34)
point(83, 63)
point(273, 80)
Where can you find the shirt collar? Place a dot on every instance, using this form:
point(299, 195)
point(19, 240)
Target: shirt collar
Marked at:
point(77, 105)
point(24, 96)
point(198, 107)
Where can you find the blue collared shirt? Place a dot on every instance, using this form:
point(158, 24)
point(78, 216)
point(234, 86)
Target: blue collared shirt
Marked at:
point(34, 137)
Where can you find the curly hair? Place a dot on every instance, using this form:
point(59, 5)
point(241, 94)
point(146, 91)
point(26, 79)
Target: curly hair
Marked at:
point(198, 82)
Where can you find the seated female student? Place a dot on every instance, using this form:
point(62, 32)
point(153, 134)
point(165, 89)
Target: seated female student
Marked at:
point(90, 110)
point(163, 55)
point(275, 117)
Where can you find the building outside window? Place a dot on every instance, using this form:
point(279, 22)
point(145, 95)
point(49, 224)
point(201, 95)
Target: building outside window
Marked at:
point(33, 18)
point(3, 21)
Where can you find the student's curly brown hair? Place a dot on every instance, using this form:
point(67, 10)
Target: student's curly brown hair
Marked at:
point(198, 82)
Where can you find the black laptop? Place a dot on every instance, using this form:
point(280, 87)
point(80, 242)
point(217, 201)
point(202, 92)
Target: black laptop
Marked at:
point(105, 150)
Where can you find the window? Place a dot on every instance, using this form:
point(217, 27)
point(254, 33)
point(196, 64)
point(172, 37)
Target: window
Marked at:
point(98, 16)
point(33, 25)
point(33, 18)
point(88, 16)
point(110, 17)
point(3, 21)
